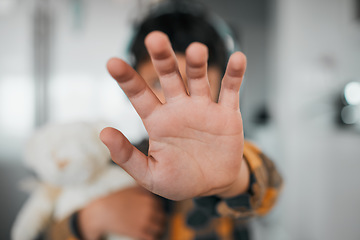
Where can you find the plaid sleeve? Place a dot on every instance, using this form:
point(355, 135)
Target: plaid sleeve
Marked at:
point(265, 186)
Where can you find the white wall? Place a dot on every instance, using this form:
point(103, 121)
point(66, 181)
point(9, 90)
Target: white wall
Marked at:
point(315, 50)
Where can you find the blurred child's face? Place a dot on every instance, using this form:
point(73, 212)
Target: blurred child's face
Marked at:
point(147, 71)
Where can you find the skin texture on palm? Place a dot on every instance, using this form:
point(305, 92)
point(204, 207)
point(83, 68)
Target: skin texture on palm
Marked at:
point(196, 145)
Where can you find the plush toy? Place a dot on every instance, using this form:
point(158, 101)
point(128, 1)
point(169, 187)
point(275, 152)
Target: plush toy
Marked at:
point(73, 167)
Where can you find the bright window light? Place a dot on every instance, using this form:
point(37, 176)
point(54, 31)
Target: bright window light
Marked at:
point(16, 104)
point(352, 93)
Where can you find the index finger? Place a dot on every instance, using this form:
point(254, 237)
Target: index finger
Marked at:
point(134, 86)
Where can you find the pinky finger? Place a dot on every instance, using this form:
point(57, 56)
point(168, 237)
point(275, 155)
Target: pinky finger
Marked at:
point(229, 94)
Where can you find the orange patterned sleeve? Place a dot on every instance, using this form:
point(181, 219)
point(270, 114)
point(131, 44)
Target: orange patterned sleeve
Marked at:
point(265, 186)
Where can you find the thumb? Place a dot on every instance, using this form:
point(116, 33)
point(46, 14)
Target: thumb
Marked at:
point(126, 155)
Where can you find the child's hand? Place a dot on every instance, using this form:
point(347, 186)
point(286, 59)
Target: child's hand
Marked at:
point(132, 212)
point(196, 145)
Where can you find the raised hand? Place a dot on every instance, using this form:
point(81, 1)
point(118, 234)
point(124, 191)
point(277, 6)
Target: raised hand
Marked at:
point(196, 145)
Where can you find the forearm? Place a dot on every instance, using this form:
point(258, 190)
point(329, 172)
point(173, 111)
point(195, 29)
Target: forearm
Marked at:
point(79, 225)
point(88, 224)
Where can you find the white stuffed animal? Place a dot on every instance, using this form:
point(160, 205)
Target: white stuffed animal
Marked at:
point(73, 167)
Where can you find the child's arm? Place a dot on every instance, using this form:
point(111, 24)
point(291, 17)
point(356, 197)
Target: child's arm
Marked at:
point(196, 145)
point(132, 213)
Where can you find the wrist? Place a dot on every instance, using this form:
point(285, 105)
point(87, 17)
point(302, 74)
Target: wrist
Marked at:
point(88, 223)
point(240, 185)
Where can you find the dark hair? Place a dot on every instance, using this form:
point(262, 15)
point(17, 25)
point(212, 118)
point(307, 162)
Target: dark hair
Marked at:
point(184, 23)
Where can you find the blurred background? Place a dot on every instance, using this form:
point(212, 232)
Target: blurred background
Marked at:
point(300, 100)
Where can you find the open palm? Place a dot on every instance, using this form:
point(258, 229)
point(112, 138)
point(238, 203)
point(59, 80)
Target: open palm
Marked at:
point(196, 145)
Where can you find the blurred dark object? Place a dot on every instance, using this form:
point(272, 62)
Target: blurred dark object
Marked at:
point(262, 116)
point(357, 10)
